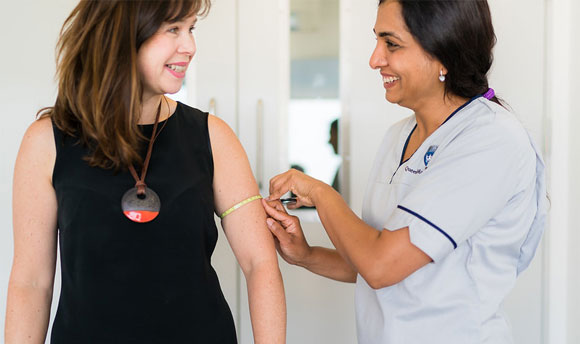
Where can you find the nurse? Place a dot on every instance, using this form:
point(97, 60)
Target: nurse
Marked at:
point(455, 204)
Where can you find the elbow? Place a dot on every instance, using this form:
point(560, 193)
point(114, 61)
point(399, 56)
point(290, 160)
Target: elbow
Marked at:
point(260, 267)
point(379, 282)
point(34, 284)
point(380, 276)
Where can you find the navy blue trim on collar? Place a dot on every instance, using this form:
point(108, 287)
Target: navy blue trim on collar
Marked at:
point(429, 223)
point(405, 146)
point(461, 108)
point(401, 162)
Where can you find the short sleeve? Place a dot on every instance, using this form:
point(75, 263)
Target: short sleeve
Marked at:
point(467, 182)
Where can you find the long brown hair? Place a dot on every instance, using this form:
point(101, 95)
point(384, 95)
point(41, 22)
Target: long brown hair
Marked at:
point(99, 88)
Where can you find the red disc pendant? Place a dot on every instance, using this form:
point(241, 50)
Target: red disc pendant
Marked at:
point(140, 208)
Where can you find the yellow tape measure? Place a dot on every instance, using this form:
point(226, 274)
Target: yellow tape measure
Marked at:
point(244, 202)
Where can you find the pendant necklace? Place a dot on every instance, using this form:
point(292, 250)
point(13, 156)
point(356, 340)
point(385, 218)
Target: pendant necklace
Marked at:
point(141, 204)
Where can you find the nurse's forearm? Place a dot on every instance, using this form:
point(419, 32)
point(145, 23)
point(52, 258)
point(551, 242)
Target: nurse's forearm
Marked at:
point(358, 243)
point(329, 263)
point(382, 258)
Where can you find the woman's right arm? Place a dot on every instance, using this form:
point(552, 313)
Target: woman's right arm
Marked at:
point(35, 237)
point(294, 248)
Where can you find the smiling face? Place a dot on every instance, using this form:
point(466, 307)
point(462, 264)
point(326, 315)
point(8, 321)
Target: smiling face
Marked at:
point(410, 76)
point(163, 59)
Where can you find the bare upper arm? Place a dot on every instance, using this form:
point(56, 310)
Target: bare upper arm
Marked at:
point(34, 208)
point(234, 182)
point(397, 258)
point(233, 176)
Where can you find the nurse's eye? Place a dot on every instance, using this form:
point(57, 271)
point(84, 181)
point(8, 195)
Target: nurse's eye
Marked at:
point(174, 29)
point(392, 45)
point(191, 29)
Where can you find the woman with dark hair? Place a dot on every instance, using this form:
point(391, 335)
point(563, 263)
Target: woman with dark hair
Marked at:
point(455, 204)
point(128, 181)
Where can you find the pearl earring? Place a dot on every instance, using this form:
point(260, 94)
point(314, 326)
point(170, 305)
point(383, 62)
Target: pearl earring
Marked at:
point(441, 76)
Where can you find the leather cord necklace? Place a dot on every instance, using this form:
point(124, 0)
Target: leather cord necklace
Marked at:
point(140, 203)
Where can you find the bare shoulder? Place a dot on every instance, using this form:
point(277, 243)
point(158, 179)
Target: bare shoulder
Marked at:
point(227, 149)
point(224, 142)
point(38, 150)
point(40, 138)
point(219, 129)
point(40, 132)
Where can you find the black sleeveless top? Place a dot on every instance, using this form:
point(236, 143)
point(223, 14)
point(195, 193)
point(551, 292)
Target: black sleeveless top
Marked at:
point(127, 282)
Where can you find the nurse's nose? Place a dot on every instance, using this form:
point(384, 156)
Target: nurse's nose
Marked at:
point(378, 58)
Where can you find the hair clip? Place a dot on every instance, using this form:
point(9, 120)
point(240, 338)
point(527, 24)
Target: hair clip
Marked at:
point(489, 94)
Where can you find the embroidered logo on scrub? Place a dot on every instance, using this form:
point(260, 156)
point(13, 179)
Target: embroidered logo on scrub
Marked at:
point(429, 154)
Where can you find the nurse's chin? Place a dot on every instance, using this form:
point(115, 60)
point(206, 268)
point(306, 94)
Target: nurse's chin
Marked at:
point(391, 98)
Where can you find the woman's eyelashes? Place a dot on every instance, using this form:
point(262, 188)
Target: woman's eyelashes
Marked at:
point(175, 29)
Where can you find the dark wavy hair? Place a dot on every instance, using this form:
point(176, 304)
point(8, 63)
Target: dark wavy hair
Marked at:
point(458, 33)
point(99, 87)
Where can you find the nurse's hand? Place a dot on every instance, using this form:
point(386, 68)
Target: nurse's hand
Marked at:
point(290, 240)
point(300, 184)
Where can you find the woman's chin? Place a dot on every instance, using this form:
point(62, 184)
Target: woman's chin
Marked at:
point(391, 98)
point(172, 90)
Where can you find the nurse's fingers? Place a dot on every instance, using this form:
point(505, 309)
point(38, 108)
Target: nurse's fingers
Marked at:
point(276, 204)
point(278, 231)
point(278, 214)
point(290, 241)
point(295, 181)
point(279, 185)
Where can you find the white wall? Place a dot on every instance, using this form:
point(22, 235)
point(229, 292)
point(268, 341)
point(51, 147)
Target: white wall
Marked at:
point(318, 35)
point(574, 158)
point(28, 34)
point(562, 107)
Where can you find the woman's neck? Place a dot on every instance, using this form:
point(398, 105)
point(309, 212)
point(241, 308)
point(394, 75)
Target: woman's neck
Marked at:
point(150, 106)
point(432, 114)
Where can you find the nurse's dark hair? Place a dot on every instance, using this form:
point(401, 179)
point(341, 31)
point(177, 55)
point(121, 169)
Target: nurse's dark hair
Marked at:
point(99, 87)
point(458, 33)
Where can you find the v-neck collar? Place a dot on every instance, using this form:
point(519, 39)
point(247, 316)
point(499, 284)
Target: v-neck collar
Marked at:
point(401, 162)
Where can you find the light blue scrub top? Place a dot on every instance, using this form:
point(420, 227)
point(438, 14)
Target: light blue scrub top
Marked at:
point(474, 198)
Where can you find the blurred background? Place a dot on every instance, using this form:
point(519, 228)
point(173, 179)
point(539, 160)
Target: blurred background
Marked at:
point(291, 77)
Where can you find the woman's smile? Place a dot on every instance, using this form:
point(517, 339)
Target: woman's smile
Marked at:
point(177, 69)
